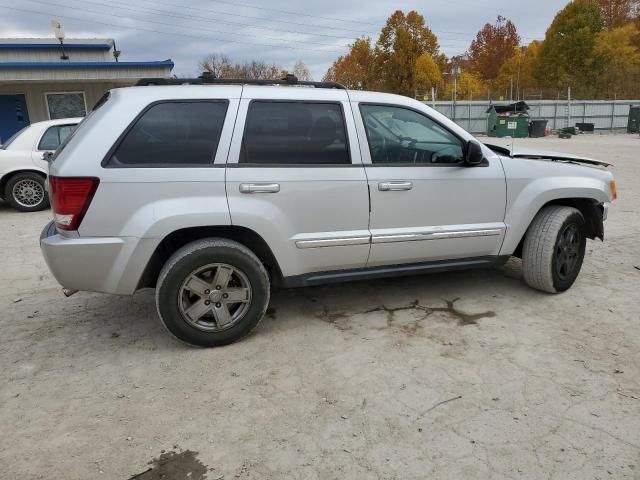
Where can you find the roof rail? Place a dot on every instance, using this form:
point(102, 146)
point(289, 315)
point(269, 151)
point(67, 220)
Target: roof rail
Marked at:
point(209, 79)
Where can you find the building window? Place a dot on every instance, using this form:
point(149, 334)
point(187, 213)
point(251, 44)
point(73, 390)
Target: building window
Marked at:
point(66, 105)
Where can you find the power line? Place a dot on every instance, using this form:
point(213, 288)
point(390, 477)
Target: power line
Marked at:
point(289, 12)
point(156, 22)
point(218, 12)
point(144, 29)
point(207, 20)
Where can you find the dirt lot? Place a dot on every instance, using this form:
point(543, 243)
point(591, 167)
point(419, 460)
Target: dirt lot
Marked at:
point(458, 375)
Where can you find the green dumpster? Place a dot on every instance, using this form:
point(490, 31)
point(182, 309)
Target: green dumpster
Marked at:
point(633, 125)
point(508, 120)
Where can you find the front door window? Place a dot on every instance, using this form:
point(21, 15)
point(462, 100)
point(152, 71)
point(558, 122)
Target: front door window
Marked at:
point(401, 136)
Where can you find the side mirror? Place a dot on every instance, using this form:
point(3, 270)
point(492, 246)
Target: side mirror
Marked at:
point(47, 156)
point(473, 155)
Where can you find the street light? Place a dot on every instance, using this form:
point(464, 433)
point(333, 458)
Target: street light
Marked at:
point(59, 33)
point(455, 71)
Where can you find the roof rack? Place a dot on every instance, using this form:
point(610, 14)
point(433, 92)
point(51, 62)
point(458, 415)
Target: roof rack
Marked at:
point(209, 79)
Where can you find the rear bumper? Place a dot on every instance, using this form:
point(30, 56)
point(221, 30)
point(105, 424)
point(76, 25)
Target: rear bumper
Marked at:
point(96, 264)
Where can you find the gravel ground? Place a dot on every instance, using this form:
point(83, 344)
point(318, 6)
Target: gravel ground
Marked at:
point(458, 375)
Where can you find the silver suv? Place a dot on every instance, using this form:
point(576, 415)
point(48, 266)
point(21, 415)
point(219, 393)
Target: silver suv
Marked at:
point(212, 191)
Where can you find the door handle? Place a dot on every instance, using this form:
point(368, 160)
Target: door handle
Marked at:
point(394, 186)
point(259, 187)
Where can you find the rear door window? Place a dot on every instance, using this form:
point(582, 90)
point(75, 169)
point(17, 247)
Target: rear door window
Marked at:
point(295, 133)
point(172, 134)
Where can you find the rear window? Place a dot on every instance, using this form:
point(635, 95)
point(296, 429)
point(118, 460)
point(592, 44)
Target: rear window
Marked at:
point(295, 133)
point(54, 136)
point(172, 134)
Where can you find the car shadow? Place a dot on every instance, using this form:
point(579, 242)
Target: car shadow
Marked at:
point(92, 321)
point(133, 321)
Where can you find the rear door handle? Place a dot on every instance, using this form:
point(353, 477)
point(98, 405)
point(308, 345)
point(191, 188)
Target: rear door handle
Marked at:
point(259, 187)
point(394, 186)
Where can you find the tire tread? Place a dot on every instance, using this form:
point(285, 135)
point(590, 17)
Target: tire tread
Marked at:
point(539, 246)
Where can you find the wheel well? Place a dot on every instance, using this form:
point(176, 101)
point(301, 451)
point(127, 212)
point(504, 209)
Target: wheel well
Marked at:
point(5, 179)
point(591, 210)
point(176, 240)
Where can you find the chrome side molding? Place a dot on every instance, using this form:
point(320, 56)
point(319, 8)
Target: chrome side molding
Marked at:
point(403, 237)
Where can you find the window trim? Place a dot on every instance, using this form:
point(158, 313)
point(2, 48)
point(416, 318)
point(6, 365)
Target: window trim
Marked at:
point(105, 161)
point(46, 101)
point(413, 165)
point(350, 164)
point(38, 145)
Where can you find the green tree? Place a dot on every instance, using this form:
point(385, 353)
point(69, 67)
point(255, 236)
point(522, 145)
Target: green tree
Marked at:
point(493, 45)
point(402, 41)
point(567, 53)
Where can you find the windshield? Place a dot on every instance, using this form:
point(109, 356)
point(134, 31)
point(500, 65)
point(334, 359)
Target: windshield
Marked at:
point(12, 138)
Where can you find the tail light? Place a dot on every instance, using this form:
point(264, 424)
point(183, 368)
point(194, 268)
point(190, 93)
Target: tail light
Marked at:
point(70, 198)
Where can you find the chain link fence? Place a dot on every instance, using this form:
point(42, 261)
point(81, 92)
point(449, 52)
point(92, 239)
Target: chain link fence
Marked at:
point(604, 114)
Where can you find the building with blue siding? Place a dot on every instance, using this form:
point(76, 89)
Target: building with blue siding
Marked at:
point(41, 79)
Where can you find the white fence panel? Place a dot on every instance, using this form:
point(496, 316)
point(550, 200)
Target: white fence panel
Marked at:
point(604, 114)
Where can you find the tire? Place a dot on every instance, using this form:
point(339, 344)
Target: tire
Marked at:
point(188, 281)
point(553, 249)
point(26, 192)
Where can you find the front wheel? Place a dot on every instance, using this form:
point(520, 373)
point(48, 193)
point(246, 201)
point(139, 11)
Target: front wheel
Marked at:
point(25, 192)
point(212, 292)
point(554, 248)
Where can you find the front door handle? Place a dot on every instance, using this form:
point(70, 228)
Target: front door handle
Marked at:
point(394, 186)
point(259, 187)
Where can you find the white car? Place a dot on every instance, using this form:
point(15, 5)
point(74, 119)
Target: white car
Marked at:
point(23, 170)
point(213, 192)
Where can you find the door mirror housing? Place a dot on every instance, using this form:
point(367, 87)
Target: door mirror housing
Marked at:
point(473, 154)
point(47, 156)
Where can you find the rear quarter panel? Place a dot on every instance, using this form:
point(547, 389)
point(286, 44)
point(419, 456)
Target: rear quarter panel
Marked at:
point(147, 203)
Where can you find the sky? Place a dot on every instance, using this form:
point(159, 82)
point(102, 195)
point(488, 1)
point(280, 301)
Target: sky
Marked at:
point(276, 31)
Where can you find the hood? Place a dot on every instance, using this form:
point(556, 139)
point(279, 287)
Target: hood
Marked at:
point(536, 154)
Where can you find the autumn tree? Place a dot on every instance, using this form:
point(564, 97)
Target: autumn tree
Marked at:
point(218, 65)
point(616, 13)
point(221, 66)
point(618, 62)
point(301, 71)
point(402, 41)
point(426, 74)
point(468, 87)
point(494, 44)
point(567, 53)
point(520, 69)
point(355, 69)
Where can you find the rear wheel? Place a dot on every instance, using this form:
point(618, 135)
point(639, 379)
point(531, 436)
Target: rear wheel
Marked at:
point(554, 248)
point(212, 292)
point(25, 192)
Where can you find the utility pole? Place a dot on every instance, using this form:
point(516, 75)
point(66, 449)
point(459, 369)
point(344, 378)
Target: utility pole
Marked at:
point(455, 72)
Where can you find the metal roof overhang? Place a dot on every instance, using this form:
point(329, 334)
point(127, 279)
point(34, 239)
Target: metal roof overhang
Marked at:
point(55, 46)
point(82, 71)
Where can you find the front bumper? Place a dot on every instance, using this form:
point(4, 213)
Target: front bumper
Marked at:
point(96, 264)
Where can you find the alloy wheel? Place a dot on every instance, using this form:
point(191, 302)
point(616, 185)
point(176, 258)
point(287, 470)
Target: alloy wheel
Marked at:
point(214, 297)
